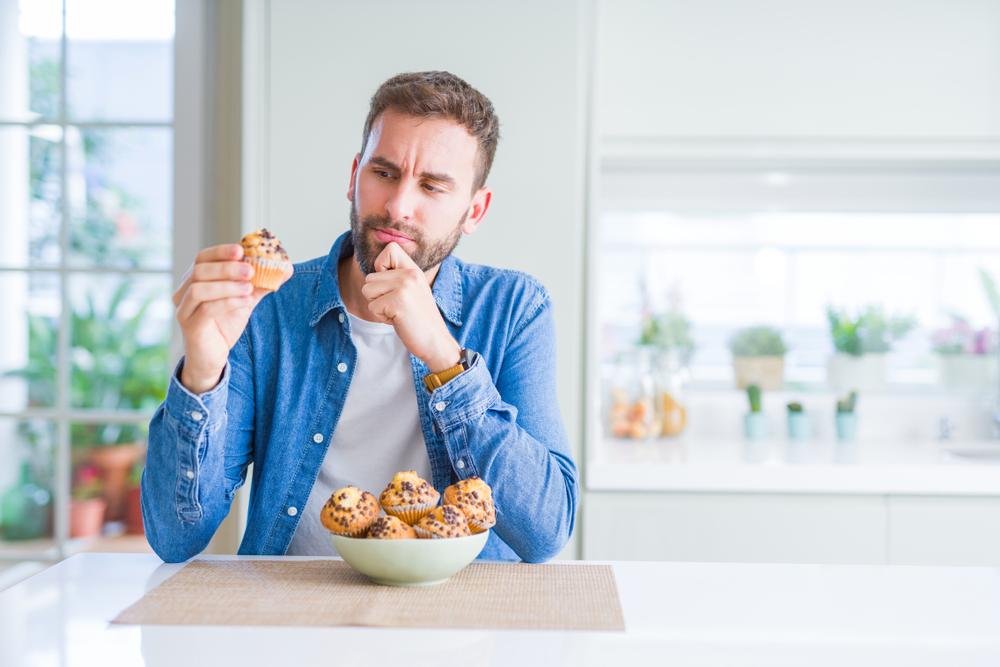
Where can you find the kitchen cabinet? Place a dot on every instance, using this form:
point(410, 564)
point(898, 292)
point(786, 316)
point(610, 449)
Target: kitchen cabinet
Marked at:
point(792, 528)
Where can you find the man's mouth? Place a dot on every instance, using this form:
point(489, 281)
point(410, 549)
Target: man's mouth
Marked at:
point(390, 235)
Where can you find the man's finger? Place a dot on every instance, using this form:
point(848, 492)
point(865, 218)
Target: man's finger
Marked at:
point(226, 255)
point(393, 257)
point(199, 293)
point(220, 253)
point(374, 289)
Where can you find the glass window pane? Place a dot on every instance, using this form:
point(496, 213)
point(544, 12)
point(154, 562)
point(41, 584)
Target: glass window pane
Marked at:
point(120, 188)
point(29, 59)
point(29, 195)
point(28, 345)
point(120, 61)
point(120, 335)
point(105, 478)
point(28, 448)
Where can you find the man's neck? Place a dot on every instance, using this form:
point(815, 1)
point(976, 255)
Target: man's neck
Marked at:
point(351, 280)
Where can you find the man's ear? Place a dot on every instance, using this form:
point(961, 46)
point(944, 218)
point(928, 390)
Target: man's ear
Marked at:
point(354, 177)
point(477, 210)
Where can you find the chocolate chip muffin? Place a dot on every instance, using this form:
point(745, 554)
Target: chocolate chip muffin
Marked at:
point(444, 521)
point(349, 511)
point(408, 497)
point(262, 250)
point(475, 498)
point(390, 528)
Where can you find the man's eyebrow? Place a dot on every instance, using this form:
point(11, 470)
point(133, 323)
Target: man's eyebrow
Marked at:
point(431, 176)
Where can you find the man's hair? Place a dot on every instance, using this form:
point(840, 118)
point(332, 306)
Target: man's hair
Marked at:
point(440, 95)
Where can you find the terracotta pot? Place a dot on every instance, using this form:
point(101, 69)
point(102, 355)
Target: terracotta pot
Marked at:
point(115, 463)
point(86, 517)
point(766, 372)
point(133, 512)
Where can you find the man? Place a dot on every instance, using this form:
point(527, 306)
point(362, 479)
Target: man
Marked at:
point(388, 354)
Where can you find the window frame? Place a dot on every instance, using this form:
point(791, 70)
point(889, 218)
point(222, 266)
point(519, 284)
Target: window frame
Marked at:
point(188, 126)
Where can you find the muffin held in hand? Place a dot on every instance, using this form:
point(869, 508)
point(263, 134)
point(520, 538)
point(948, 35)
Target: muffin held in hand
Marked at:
point(444, 521)
point(349, 511)
point(390, 528)
point(262, 250)
point(408, 497)
point(475, 498)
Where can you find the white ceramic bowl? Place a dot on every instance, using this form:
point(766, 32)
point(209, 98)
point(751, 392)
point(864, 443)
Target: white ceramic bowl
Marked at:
point(409, 562)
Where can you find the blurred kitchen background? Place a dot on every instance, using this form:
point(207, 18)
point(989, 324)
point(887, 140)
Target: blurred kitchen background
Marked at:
point(771, 232)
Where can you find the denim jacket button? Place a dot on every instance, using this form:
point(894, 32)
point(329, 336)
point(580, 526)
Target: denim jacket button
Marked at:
point(195, 415)
point(292, 511)
point(440, 406)
point(460, 464)
point(189, 474)
point(340, 317)
point(342, 367)
point(318, 438)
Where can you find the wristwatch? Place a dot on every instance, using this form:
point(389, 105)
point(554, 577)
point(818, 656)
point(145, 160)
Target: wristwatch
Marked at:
point(434, 380)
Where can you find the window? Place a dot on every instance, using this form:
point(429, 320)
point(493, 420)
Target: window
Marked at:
point(730, 247)
point(86, 166)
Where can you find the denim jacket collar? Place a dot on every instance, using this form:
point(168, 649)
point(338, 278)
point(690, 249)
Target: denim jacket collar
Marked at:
point(447, 288)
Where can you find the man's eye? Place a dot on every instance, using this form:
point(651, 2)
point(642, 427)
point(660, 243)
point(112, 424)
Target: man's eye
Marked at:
point(430, 188)
point(382, 173)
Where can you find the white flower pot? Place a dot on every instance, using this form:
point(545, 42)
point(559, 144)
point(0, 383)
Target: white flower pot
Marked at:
point(846, 373)
point(967, 371)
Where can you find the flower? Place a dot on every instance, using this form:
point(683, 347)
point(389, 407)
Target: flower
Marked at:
point(88, 483)
point(962, 338)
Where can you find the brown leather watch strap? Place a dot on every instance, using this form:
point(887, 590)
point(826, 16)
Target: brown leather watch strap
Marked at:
point(434, 380)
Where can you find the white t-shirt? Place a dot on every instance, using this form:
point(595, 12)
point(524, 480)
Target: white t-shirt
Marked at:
point(378, 433)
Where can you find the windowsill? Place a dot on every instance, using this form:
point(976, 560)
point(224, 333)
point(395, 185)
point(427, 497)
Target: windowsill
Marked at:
point(777, 466)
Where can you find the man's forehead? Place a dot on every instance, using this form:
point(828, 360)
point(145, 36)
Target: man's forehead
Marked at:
point(441, 141)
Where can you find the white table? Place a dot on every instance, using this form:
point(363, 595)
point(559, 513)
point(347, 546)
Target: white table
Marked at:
point(675, 614)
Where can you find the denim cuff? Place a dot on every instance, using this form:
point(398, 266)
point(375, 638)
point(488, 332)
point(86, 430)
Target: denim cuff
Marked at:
point(465, 397)
point(193, 412)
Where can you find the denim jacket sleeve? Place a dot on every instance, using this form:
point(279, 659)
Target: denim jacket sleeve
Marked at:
point(510, 433)
point(199, 449)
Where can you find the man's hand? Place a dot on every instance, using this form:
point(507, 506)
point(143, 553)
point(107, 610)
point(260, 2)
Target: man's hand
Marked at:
point(398, 293)
point(213, 304)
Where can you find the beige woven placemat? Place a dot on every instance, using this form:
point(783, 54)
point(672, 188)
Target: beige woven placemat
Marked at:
point(329, 592)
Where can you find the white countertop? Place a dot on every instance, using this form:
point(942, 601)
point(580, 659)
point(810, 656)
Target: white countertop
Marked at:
point(675, 613)
point(779, 466)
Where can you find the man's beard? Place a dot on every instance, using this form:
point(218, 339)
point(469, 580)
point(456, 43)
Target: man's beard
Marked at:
point(427, 255)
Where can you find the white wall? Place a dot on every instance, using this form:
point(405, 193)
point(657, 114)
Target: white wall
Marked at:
point(786, 68)
point(317, 64)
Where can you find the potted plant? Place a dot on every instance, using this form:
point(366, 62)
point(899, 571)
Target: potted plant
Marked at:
point(133, 506)
point(965, 355)
point(758, 357)
point(114, 367)
point(87, 506)
point(755, 422)
point(861, 343)
point(846, 420)
point(798, 422)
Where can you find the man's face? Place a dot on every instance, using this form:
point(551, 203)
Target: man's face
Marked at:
point(413, 185)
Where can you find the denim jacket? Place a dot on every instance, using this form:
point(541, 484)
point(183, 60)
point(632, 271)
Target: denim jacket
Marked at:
point(284, 387)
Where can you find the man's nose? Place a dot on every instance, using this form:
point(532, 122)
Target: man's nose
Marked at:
point(402, 203)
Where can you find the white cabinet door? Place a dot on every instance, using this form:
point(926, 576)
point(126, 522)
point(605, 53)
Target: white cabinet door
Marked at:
point(734, 527)
point(940, 530)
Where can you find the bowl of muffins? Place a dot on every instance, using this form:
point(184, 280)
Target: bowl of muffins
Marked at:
point(410, 535)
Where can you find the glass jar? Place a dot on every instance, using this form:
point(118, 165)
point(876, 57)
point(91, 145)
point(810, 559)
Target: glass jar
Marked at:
point(671, 375)
point(631, 399)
